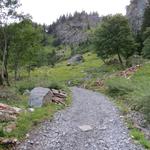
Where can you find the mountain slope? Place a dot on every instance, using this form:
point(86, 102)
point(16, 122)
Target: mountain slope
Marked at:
point(73, 29)
point(135, 13)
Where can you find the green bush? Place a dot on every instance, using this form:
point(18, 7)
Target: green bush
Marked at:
point(2, 134)
point(25, 85)
point(145, 102)
point(38, 82)
point(55, 85)
point(119, 86)
point(139, 136)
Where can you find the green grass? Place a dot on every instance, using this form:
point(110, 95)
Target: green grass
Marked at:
point(61, 73)
point(129, 94)
point(135, 92)
point(139, 136)
point(28, 120)
point(57, 78)
point(132, 94)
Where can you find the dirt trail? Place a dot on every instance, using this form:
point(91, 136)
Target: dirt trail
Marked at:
point(90, 111)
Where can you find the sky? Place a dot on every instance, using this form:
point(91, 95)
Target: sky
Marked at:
point(47, 11)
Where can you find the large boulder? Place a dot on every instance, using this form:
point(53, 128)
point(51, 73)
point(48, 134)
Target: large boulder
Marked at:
point(40, 96)
point(75, 59)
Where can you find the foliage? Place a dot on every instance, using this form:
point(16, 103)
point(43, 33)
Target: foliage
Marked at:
point(59, 75)
point(119, 86)
point(52, 58)
point(27, 120)
point(24, 44)
point(134, 92)
point(146, 21)
point(113, 37)
point(146, 48)
point(145, 32)
point(146, 106)
point(8, 10)
point(139, 136)
point(8, 14)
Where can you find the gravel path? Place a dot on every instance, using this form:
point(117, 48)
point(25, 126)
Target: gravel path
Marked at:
point(105, 128)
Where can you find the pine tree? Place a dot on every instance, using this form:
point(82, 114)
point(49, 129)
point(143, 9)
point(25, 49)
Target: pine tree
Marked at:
point(146, 21)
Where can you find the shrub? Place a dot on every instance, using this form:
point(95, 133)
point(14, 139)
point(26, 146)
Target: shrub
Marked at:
point(55, 85)
point(2, 134)
point(119, 86)
point(24, 85)
point(145, 102)
point(38, 82)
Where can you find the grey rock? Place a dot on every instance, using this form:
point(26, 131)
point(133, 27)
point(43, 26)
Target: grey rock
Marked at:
point(72, 29)
point(85, 128)
point(75, 59)
point(40, 96)
point(135, 13)
point(31, 109)
point(26, 93)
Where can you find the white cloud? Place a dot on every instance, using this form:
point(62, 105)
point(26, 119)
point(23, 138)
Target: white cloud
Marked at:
point(47, 11)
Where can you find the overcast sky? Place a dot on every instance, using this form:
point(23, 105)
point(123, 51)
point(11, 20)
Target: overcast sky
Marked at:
point(47, 11)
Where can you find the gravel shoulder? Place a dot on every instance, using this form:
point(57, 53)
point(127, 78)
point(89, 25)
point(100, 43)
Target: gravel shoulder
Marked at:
point(91, 123)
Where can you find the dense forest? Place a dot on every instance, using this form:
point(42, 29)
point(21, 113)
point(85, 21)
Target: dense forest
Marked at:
point(109, 54)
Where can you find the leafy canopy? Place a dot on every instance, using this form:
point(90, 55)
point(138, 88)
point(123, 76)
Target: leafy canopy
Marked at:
point(113, 37)
point(146, 48)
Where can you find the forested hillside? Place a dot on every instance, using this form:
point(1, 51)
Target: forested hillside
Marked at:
point(108, 54)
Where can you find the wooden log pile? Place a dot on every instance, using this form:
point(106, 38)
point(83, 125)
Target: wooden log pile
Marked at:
point(8, 113)
point(58, 96)
point(99, 83)
point(8, 141)
point(129, 72)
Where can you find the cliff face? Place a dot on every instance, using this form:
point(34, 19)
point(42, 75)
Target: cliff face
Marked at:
point(135, 13)
point(73, 29)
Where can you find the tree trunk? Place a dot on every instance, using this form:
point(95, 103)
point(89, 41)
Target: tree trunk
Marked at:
point(4, 72)
point(29, 70)
point(120, 59)
point(1, 81)
point(16, 70)
point(103, 60)
point(16, 73)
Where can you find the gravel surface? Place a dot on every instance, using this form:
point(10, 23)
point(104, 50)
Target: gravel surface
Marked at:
point(91, 123)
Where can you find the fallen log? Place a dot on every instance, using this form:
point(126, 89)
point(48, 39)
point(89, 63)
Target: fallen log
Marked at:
point(8, 141)
point(9, 109)
point(58, 100)
point(59, 93)
point(7, 117)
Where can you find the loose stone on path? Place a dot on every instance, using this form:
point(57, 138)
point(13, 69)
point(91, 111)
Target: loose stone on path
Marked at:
point(85, 128)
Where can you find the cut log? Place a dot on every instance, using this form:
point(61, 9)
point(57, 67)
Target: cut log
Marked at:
point(58, 100)
point(9, 109)
point(59, 93)
point(4, 141)
point(7, 117)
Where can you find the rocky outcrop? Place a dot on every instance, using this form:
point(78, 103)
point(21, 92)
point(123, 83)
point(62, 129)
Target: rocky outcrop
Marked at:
point(135, 14)
point(73, 29)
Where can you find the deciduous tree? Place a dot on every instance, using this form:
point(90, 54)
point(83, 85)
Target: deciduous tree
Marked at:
point(113, 37)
